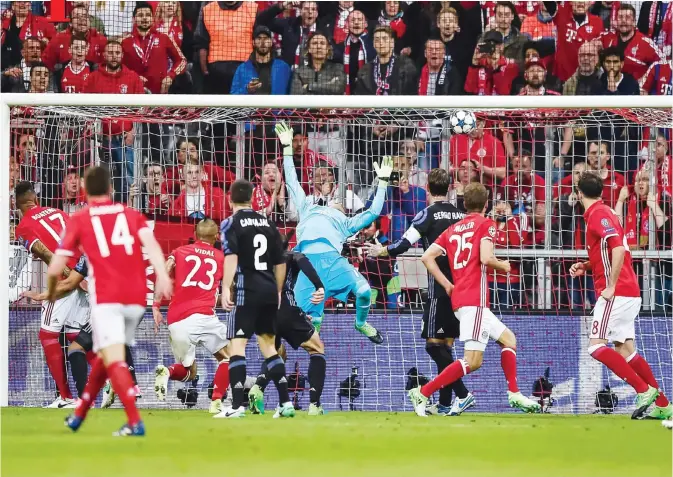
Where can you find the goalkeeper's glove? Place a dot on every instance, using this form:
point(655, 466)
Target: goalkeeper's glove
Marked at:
point(285, 134)
point(384, 170)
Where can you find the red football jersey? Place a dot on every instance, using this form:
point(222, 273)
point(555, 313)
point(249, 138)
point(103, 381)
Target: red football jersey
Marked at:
point(73, 80)
point(604, 233)
point(658, 80)
point(45, 224)
point(107, 233)
point(198, 273)
point(639, 53)
point(571, 35)
point(461, 243)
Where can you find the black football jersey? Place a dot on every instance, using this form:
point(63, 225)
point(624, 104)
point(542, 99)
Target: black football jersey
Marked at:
point(430, 223)
point(257, 243)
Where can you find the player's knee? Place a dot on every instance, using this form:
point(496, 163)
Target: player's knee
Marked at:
point(75, 346)
point(593, 347)
point(364, 292)
point(474, 360)
point(314, 345)
point(508, 339)
point(192, 371)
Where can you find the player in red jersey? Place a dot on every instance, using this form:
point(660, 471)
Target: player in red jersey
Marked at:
point(197, 269)
point(468, 244)
point(111, 236)
point(619, 303)
point(39, 231)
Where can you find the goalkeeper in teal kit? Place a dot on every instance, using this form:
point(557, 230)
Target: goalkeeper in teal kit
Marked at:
point(321, 233)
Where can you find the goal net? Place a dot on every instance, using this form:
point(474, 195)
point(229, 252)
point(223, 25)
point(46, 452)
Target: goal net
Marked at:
point(176, 163)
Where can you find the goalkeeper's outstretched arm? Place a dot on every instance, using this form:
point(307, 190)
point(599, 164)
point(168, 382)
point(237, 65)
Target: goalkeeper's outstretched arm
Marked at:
point(297, 194)
point(365, 219)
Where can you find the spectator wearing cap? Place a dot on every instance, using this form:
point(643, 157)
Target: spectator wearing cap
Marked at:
point(639, 51)
point(656, 22)
point(153, 55)
point(16, 79)
point(575, 26)
point(118, 137)
point(221, 41)
point(587, 78)
point(77, 70)
point(262, 73)
point(20, 23)
point(535, 76)
point(58, 51)
point(513, 42)
point(657, 80)
point(388, 74)
point(318, 74)
point(539, 26)
point(614, 81)
point(490, 72)
point(356, 50)
point(542, 51)
point(438, 77)
point(295, 30)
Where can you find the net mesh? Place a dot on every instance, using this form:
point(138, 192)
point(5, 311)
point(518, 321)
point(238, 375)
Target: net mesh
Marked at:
point(528, 159)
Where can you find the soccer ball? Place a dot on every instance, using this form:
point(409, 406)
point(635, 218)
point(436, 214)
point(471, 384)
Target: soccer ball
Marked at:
point(462, 122)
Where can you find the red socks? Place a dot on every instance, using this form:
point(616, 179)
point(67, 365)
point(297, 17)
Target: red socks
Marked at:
point(55, 358)
point(178, 372)
point(221, 382)
point(96, 381)
point(122, 383)
point(640, 366)
point(508, 363)
point(449, 375)
point(618, 365)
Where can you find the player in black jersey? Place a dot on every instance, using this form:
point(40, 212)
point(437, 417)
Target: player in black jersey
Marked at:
point(440, 325)
point(254, 263)
point(295, 327)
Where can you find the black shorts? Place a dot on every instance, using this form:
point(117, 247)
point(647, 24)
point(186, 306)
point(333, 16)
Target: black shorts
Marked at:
point(247, 320)
point(84, 338)
point(439, 321)
point(293, 326)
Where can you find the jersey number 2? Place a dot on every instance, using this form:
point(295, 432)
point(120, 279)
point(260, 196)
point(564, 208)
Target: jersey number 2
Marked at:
point(462, 244)
point(209, 273)
point(260, 244)
point(120, 235)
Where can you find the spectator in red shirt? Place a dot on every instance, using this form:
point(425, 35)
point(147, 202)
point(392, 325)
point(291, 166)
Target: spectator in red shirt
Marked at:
point(58, 53)
point(77, 70)
point(168, 20)
point(658, 80)
point(151, 54)
point(522, 189)
point(639, 51)
point(269, 197)
point(118, 136)
point(73, 196)
point(490, 72)
point(484, 149)
point(187, 151)
point(151, 196)
point(198, 200)
point(575, 26)
point(598, 158)
point(19, 23)
point(664, 166)
point(506, 287)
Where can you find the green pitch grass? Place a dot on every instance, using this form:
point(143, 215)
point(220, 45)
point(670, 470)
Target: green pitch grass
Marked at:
point(180, 443)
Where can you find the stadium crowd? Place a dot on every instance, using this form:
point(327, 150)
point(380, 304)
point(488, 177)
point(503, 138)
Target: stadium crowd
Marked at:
point(361, 48)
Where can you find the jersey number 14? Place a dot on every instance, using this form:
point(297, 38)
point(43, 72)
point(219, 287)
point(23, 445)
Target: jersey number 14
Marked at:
point(120, 235)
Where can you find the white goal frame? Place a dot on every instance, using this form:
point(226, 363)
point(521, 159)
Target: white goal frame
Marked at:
point(270, 102)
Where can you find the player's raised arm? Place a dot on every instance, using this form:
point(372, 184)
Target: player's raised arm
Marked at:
point(364, 219)
point(429, 259)
point(410, 237)
point(297, 194)
point(487, 257)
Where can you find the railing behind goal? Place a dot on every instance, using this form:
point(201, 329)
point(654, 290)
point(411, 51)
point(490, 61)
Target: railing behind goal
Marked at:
point(526, 156)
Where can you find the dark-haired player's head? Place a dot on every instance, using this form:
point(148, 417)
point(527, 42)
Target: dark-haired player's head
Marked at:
point(438, 182)
point(241, 193)
point(97, 182)
point(25, 196)
point(285, 239)
point(207, 231)
point(475, 197)
point(590, 186)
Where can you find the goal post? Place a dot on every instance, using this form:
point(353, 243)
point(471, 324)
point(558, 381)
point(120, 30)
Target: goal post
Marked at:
point(545, 308)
